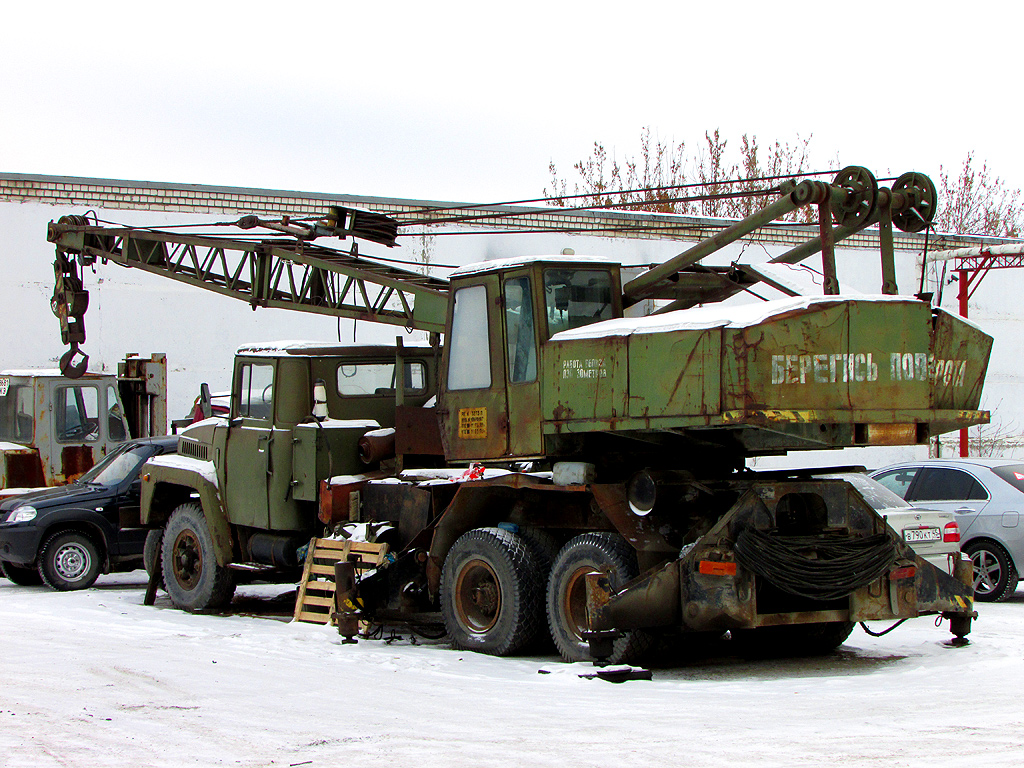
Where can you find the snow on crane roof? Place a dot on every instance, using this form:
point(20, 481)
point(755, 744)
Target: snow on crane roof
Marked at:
point(716, 316)
point(323, 348)
point(525, 261)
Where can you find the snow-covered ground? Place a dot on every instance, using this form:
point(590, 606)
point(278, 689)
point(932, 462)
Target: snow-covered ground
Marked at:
point(96, 678)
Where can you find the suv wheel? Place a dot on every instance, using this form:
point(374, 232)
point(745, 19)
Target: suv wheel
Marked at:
point(69, 561)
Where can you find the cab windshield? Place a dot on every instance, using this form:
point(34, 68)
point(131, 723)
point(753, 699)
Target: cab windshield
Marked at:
point(575, 297)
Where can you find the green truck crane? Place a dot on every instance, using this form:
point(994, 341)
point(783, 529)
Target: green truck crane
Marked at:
point(554, 466)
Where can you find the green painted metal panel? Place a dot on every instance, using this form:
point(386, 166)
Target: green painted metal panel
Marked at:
point(585, 379)
point(957, 364)
point(675, 373)
point(794, 361)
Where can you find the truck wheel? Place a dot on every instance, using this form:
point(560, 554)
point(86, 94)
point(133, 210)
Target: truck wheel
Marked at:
point(69, 561)
point(567, 595)
point(23, 577)
point(192, 577)
point(995, 578)
point(791, 639)
point(491, 598)
point(151, 553)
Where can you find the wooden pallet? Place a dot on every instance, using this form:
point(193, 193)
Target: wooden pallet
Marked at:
point(315, 599)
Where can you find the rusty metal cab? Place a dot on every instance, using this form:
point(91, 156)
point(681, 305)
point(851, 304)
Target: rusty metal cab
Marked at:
point(53, 429)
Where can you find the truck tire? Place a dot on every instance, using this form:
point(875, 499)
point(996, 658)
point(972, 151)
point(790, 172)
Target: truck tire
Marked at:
point(192, 577)
point(491, 598)
point(69, 561)
point(23, 577)
point(567, 595)
point(151, 554)
point(791, 640)
point(995, 577)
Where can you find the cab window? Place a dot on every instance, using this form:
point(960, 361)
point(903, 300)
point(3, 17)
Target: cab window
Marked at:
point(356, 379)
point(256, 391)
point(575, 297)
point(16, 422)
point(117, 429)
point(519, 330)
point(77, 412)
point(470, 344)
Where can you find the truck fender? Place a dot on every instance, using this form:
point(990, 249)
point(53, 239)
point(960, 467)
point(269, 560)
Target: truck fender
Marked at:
point(165, 485)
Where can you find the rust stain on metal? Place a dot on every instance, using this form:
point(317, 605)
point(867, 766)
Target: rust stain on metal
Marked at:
point(75, 460)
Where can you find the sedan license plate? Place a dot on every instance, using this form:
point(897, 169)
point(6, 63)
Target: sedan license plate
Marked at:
point(921, 534)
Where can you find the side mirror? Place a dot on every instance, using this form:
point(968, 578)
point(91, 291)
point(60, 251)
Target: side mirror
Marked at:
point(205, 400)
point(319, 400)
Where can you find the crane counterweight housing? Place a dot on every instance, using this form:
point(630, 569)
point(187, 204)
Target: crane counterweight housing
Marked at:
point(554, 466)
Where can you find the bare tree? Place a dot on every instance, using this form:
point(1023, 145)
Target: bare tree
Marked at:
point(656, 179)
point(978, 203)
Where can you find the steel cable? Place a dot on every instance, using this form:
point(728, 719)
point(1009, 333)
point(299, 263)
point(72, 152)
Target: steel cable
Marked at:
point(816, 567)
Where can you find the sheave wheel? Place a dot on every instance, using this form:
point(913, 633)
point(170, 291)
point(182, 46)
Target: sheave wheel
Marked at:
point(995, 578)
point(567, 595)
point(491, 596)
point(193, 579)
point(23, 577)
point(69, 561)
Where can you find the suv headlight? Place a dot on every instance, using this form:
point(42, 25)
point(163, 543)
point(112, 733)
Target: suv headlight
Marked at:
point(22, 514)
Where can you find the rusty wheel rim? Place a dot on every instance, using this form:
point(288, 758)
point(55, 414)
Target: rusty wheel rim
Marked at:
point(575, 601)
point(477, 596)
point(187, 559)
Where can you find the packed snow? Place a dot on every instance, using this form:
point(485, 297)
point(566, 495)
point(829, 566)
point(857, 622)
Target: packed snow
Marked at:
point(96, 678)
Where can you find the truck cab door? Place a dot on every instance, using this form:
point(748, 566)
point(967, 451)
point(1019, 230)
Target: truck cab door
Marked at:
point(473, 408)
point(519, 315)
point(247, 470)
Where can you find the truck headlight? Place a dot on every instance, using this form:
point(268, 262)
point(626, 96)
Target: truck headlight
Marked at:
point(22, 514)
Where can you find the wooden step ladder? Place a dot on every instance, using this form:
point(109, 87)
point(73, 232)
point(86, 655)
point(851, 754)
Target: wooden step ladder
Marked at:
point(314, 602)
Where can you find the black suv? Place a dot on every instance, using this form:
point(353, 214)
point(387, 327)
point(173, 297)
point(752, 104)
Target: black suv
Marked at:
point(67, 536)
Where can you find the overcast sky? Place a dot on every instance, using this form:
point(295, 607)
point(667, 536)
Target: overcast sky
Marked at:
point(471, 101)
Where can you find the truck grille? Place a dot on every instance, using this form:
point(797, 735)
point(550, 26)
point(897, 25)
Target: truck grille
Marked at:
point(193, 448)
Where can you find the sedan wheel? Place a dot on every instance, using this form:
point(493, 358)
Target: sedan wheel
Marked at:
point(995, 578)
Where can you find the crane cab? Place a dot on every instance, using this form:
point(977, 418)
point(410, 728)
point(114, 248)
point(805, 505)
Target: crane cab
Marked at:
point(500, 316)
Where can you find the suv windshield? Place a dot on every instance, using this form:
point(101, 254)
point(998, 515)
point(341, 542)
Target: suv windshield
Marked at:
point(118, 466)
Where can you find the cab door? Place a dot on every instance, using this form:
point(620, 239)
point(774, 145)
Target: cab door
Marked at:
point(473, 408)
point(249, 444)
point(519, 325)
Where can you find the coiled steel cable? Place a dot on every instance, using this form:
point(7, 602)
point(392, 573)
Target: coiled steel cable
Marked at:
point(816, 567)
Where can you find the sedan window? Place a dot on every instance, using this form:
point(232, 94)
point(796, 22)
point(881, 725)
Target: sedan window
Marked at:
point(945, 484)
point(898, 480)
point(1013, 474)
